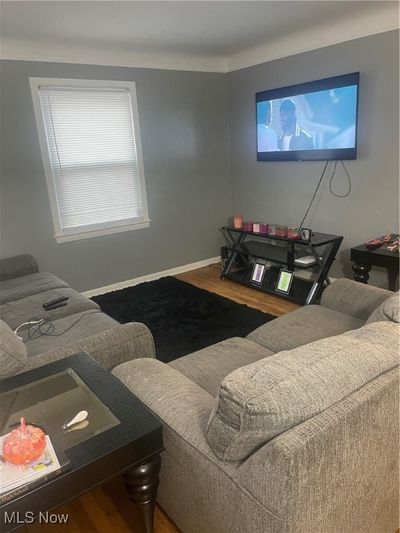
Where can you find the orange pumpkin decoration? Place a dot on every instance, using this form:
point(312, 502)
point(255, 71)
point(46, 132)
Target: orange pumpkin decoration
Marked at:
point(24, 444)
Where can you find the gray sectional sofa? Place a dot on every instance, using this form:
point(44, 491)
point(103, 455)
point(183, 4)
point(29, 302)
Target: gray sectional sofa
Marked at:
point(78, 326)
point(291, 430)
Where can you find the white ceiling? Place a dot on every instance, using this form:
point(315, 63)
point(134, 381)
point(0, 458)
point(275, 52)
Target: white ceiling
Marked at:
point(197, 35)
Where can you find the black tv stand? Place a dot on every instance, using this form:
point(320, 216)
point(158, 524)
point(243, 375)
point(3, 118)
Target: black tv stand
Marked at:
point(245, 248)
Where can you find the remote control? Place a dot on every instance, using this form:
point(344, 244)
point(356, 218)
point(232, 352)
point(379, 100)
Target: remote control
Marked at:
point(60, 304)
point(52, 303)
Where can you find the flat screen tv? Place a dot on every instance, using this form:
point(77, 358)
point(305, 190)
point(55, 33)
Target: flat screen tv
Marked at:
point(310, 121)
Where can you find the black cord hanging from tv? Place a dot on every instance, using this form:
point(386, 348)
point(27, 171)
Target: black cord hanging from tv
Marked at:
point(331, 182)
point(330, 187)
point(315, 193)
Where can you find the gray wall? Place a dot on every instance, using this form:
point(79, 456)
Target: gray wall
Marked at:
point(280, 191)
point(184, 129)
point(184, 126)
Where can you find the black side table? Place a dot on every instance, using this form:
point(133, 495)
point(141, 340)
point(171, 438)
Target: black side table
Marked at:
point(363, 258)
point(122, 437)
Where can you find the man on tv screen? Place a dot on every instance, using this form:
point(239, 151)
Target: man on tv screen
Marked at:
point(267, 138)
point(293, 137)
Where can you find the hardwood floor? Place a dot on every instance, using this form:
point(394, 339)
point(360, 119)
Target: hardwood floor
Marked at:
point(107, 509)
point(209, 278)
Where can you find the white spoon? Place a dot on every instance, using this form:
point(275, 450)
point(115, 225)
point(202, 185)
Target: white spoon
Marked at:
point(80, 417)
point(76, 427)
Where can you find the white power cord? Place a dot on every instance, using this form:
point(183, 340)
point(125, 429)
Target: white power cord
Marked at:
point(29, 323)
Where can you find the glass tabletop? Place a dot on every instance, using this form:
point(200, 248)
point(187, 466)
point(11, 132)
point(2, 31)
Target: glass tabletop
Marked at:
point(53, 401)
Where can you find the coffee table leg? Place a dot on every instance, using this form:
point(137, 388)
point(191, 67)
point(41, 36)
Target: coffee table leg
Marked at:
point(360, 272)
point(141, 482)
point(392, 277)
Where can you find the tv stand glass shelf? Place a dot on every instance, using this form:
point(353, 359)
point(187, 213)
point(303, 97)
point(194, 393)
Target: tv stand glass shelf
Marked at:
point(246, 248)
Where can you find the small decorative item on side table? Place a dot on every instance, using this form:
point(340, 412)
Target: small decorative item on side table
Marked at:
point(24, 444)
point(23, 468)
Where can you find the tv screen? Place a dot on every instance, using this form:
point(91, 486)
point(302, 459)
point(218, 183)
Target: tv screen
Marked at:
point(310, 121)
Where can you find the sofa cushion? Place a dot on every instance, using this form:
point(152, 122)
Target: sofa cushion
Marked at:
point(262, 400)
point(208, 367)
point(24, 286)
point(19, 311)
point(353, 298)
point(110, 347)
point(304, 325)
point(388, 310)
point(13, 354)
point(69, 329)
point(18, 265)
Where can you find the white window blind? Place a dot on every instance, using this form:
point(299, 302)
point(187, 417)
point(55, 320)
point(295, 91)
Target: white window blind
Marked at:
point(96, 171)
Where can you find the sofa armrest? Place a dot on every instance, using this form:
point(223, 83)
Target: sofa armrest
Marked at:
point(17, 266)
point(110, 347)
point(195, 485)
point(180, 403)
point(335, 457)
point(353, 298)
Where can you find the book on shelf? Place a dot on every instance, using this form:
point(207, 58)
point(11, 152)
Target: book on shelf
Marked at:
point(15, 480)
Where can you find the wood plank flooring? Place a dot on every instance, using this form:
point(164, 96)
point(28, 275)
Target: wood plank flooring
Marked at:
point(107, 509)
point(209, 278)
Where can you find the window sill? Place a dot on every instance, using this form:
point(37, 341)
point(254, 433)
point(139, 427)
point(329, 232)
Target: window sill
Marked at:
point(100, 232)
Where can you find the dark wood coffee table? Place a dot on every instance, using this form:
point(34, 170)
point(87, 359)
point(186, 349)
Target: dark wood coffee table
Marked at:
point(122, 436)
point(363, 258)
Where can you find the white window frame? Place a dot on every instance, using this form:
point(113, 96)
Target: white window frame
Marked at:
point(111, 227)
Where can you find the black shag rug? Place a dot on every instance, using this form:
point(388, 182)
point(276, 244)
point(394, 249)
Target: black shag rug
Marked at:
point(181, 317)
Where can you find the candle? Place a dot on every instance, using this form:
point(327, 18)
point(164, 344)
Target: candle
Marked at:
point(238, 222)
point(281, 231)
point(293, 233)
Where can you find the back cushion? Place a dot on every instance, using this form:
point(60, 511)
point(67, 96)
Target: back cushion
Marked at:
point(262, 400)
point(388, 310)
point(13, 355)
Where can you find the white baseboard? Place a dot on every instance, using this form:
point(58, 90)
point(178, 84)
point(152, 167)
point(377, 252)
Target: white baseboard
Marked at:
point(151, 277)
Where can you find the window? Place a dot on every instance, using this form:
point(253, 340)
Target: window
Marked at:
point(90, 141)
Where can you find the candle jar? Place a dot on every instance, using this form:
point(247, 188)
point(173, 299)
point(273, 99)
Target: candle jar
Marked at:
point(256, 227)
point(238, 222)
point(281, 231)
point(272, 229)
point(293, 233)
point(264, 229)
point(248, 226)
